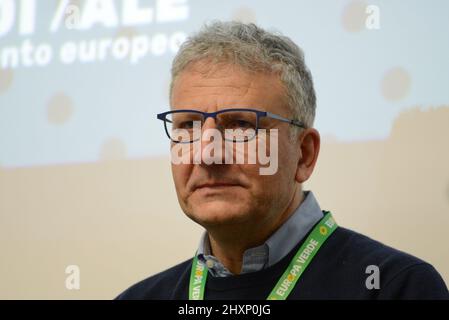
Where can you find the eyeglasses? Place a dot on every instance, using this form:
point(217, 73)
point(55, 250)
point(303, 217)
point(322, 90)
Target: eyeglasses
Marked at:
point(239, 125)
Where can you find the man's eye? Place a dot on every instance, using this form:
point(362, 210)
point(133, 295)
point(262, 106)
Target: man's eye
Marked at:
point(239, 124)
point(185, 125)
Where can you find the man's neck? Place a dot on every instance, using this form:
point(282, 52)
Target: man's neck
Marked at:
point(229, 246)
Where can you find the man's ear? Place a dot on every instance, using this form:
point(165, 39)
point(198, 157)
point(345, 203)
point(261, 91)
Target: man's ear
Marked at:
point(309, 141)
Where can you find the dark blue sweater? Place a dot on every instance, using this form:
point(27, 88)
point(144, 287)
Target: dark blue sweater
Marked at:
point(338, 271)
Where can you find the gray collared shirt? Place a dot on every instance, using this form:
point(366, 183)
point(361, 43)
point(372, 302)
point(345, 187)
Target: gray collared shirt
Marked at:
point(275, 248)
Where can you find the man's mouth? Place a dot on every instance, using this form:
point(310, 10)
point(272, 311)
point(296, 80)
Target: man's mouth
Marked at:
point(217, 185)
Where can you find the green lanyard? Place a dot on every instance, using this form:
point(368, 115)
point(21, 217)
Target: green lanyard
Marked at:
point(291, 275)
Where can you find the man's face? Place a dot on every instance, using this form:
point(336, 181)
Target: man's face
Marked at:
point(229, 194)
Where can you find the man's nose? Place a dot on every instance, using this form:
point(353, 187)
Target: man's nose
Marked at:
point(209, 123)
point(212, 143)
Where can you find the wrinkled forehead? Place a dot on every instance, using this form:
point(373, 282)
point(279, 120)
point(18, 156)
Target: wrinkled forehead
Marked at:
point(209, 87)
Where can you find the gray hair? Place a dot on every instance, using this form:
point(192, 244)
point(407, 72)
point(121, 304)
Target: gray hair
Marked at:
point(253, 49)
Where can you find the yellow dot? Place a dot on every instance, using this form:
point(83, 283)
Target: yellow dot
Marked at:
point(6, 77)
point(290, 277)
point(323, 230)
point(354, 16)
point(395, 84)
point(59, 109)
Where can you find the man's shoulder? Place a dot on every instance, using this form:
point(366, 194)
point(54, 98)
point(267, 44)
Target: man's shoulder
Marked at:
point(158, 286)
point(402, 275)
point(358, 247)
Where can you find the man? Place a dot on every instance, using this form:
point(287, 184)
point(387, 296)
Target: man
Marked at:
point(265, 237)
